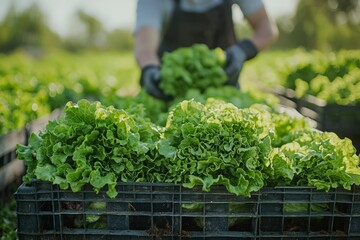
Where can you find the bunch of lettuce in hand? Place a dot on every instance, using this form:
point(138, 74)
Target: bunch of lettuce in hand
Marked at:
point(195, 67)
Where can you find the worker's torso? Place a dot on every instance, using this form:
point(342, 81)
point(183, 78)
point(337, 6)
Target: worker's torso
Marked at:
point(213, 27)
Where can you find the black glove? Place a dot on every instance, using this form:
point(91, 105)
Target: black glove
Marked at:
point(236, 55)
point(150, 79)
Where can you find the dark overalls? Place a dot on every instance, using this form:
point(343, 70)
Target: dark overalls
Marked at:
point(215, 28)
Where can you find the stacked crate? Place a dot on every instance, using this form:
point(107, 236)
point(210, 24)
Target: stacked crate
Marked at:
point(170, 211)
point(342, 120)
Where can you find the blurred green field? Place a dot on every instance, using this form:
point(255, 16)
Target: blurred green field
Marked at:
point(33, 87)
point(262, 71)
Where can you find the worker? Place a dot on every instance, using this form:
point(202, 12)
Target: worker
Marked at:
point(165, 25)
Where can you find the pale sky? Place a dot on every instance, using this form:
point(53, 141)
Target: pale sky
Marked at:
point(112, 13)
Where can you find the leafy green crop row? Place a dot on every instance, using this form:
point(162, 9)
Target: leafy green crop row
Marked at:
point(31, 88)
point(333, 77)
point(201, 144)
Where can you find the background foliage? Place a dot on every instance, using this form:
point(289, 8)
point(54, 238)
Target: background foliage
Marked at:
point(323, 24)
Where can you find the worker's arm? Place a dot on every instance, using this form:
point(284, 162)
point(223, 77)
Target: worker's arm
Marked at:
point(146, 46)
point(265, 31)
point(150, 15)
point(264, 34)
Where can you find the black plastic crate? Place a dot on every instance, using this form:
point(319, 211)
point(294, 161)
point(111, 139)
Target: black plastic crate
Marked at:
point(9, 141)
point(332, 117)
point(342, 120)
point(8, 145)
point(12, 170)
point(286, 97)
point(169, 211)
point(8, 158)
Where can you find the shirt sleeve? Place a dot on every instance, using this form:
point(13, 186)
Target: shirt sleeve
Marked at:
point(248, 7)
point(149, 13)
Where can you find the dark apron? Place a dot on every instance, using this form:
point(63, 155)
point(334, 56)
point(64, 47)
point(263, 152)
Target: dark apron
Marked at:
point(215, 28)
